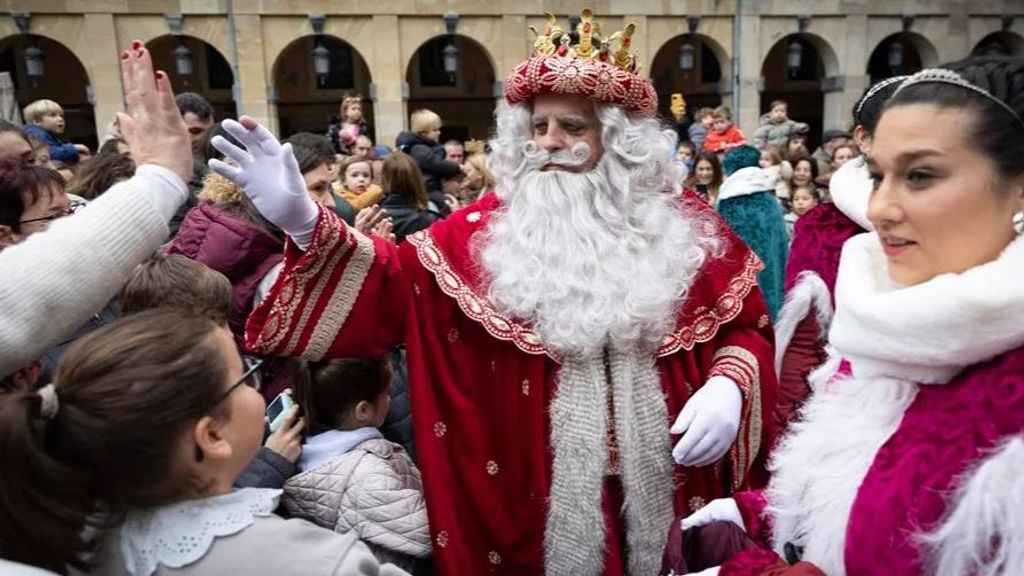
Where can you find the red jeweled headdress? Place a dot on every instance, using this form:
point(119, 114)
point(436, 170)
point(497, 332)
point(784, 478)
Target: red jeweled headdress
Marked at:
point(588, 68)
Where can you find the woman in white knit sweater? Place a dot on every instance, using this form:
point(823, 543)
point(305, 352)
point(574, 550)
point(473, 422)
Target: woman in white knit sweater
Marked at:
point(53, 281)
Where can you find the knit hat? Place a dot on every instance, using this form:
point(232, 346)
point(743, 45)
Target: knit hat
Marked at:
point(740, 157)
point(832, 133)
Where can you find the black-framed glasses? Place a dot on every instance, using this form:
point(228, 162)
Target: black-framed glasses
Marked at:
point(71, 209)
point(251, 376)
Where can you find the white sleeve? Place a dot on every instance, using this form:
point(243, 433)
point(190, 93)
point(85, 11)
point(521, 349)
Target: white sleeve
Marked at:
point(51, 283)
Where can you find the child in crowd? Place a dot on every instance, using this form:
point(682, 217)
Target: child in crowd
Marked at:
point(775, 127)
point(356, 183)
point(777, 172)
point(45, 122)
point(128, 463)
point(422, 144)
point(685, 153)
point(350, 478)
point(344, 133)
point(698, 131)
point(724, 135)
point(805, 199)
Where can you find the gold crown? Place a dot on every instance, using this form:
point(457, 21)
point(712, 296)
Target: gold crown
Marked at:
point(591, 43)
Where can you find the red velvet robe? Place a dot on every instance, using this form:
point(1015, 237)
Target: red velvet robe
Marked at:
point(481, 382)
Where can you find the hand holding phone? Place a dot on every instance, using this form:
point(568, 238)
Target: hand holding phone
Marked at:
point(278, 410)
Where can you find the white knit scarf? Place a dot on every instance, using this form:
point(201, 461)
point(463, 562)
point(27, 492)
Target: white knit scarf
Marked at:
point(574, 540)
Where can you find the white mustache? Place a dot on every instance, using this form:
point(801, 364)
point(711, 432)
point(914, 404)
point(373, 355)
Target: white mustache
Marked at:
point(535, 157)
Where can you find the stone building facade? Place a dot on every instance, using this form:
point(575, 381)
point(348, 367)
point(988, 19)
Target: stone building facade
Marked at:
point(259, 58)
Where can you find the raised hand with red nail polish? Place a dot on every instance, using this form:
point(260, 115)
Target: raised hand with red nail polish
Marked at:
point(152, 126)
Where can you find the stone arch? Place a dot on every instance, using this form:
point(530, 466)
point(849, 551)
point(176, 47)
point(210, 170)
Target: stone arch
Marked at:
point(901, 53)
point(465, 100)
point(305, 101)
point(64, 80)
point(1002, 42)
point(702, 85)
point(803, 87)
point(211, 75)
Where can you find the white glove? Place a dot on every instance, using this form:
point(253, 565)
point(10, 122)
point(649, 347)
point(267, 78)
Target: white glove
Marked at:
point(269, 175)
point(708, 422)
point(718, 510)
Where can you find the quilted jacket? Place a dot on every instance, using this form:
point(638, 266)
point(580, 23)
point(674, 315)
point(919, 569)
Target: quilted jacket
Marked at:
point(373, 489)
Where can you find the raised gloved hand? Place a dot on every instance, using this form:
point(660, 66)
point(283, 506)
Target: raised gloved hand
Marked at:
point(708, 422)
point(718, 510)
point(269, 175)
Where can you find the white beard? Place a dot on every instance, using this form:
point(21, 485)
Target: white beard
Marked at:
point(588, 265)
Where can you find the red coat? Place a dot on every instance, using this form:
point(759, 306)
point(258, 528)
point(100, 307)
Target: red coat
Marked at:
point(722, 142)
point(481, 383)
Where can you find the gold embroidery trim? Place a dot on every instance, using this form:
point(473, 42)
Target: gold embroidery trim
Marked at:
point(472, 305)
point(343, 296)
point(306, 283)
point(707, 320)
point(740, 365)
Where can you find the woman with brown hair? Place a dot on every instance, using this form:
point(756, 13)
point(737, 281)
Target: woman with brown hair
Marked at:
point(406, 201)
point(126, 464)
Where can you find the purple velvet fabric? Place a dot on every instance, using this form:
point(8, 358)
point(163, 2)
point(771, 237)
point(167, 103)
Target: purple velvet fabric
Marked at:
point(942, 436)
point(233, 246)
point(817, 244)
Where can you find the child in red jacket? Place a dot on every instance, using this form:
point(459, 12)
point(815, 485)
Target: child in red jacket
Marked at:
point(724, 135)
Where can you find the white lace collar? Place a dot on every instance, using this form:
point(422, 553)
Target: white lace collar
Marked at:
point(929, 332)
point(182, 533)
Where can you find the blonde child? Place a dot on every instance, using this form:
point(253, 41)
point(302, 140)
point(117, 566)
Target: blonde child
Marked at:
point(777, 172)
point(355, 175)
point(45, 122)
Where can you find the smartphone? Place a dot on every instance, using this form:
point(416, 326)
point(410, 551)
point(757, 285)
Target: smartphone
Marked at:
point(277, 411)
point(702, 189)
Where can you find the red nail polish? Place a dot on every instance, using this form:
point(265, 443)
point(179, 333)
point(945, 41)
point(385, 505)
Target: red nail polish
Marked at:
point(136, 45)
point(124, 55)
point(160, 75)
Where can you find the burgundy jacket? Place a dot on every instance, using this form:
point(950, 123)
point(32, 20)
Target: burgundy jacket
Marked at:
point(233, 246)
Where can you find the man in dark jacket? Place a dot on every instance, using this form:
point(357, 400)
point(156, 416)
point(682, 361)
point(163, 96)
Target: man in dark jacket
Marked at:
point(422, 144)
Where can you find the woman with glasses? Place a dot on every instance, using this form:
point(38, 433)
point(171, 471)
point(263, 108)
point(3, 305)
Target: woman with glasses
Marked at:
point(31, 197)
point(128, 462)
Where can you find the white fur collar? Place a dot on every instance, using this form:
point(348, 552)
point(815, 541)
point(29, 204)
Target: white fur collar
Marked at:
point(743, 182)
point(851, 188)
point(926, 333)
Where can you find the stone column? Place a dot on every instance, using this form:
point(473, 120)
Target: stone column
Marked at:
point(389, 77)
point(750, 71)
point(103, 63)
point(253, 77)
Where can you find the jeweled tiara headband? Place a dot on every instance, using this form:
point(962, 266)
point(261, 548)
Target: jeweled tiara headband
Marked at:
point(944, 76)
point(875, 90)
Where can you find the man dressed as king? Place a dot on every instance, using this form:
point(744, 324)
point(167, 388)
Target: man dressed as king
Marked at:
point(589, 354)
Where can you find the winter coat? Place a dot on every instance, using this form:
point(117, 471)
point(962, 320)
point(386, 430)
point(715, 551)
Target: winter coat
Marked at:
point(343, 145)
point(429, 156)
point(372, 196)
point(407, 218)
point(374, 490)
point(771, 134)
point(397, 427)
point(697, 134)
point(233, 246)
point(60, 151)
point(721, 142)
point(267, 470)
point(777, 177)
point(751, 209)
